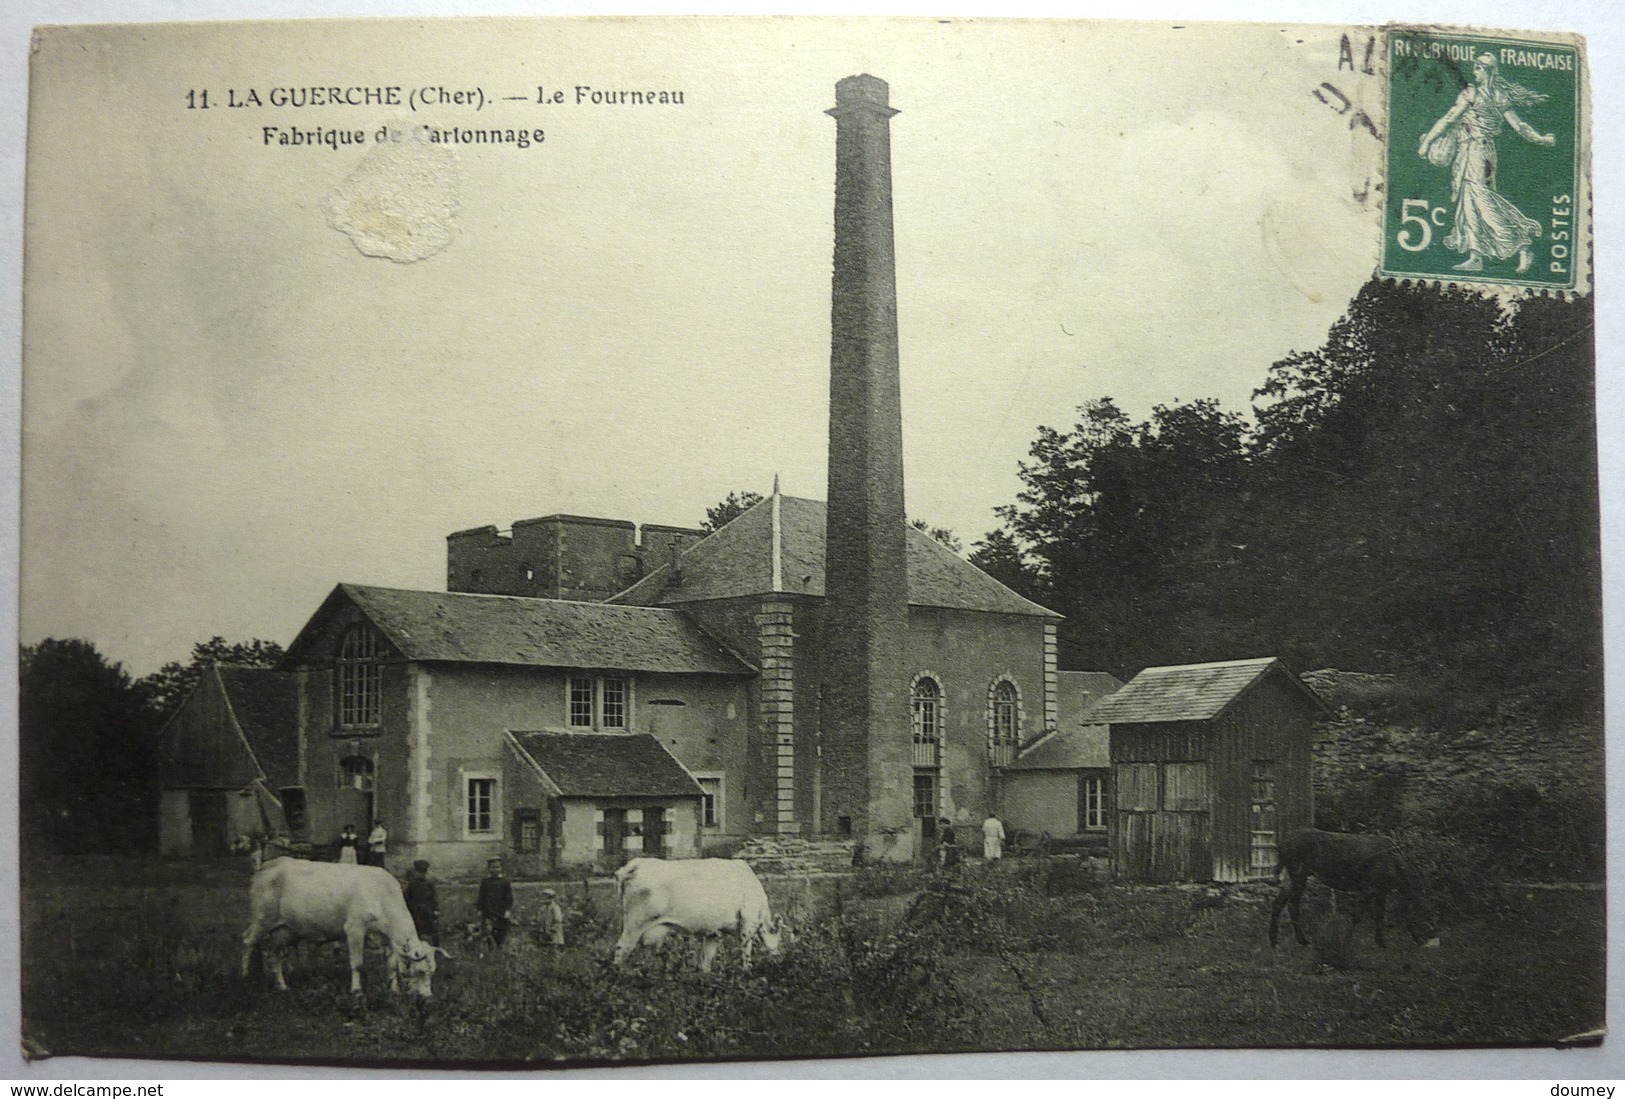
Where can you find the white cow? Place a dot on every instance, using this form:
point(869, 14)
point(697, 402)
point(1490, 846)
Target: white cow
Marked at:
point(704, 897)
point(294, 900)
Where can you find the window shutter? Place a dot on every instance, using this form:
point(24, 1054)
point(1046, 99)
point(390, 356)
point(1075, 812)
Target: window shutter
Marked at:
point(516, 833)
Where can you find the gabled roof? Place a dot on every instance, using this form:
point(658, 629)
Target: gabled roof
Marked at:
point(778, 547)
point(605, 765)
point(453, 627)
point(265, 702)
point(1191, 692)
point(237, 725)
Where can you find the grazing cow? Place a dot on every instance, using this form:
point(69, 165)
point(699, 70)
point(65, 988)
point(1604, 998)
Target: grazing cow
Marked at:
point(293, 900)
point(1370, 866)
point(704, 897)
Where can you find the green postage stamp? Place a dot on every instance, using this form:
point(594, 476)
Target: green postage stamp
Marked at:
point(1485, 164)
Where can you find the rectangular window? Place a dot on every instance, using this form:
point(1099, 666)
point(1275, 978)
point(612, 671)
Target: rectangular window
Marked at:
point(481, 802)
point(1091, 803)
point(600, 702)
point(1137, 787)
point(527, 833)
point(614, 703)
point(581, 701)
point(711, 803)
point(1186, 788)
point(925, 795)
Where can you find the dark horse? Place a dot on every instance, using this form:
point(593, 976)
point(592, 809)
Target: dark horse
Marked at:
point(1370, 866)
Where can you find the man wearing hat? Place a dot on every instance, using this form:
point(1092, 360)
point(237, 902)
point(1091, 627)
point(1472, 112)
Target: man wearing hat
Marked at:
point(422, 902)
point(496, 902)
point(552, 918)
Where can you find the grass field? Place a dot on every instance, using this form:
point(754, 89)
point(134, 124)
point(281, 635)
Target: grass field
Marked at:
point(140, 959)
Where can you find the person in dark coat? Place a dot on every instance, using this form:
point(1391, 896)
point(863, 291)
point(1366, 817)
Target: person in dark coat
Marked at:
point(496, 902)
point(423, 902)
point(349, 843)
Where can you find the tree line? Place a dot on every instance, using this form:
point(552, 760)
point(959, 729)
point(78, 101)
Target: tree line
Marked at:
point(1417, 496)
point(87, 740)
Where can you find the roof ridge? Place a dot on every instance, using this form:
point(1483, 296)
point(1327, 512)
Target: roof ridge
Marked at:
point(527, 599)
point(1208, 664)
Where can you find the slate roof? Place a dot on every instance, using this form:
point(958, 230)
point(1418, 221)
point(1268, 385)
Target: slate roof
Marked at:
point(1083, 691)
point(738, 560)
point(1077, 741)
point(605, 765)
point(1067, 750)
point(1190, 692)
point(265, 702)
point(453, 627)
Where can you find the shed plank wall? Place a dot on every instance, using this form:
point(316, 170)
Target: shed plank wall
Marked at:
point(1273, 722)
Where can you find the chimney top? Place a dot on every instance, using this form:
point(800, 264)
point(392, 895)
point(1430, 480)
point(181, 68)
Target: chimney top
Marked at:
point(862, 92)
point(864, 88)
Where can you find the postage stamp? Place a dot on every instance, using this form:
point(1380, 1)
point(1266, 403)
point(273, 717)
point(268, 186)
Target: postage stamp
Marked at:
point(1484, 160)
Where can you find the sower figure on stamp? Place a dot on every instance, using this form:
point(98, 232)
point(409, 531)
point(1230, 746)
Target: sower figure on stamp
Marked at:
point(423, 902)
point(496, 902)
point(1486, 223)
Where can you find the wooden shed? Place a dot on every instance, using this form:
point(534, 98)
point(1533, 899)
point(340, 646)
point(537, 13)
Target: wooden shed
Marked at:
point(228, 758)
point(1210, 766)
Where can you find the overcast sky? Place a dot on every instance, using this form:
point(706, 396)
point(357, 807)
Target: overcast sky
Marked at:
point(228, 408)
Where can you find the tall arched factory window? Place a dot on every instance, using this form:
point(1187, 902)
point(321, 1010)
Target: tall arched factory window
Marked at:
point(927, 721)
point(359, 679)
point(1004, 723)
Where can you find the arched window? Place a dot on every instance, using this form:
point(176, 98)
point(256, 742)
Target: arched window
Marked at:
point(356, 773)
point(358, 678)
point(1003, 723)
point(927, 721)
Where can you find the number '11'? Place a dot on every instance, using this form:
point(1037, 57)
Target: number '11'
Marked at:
point(196, 100)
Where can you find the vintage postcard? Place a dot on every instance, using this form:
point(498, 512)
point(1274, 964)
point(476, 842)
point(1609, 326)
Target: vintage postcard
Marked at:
point(596, 541)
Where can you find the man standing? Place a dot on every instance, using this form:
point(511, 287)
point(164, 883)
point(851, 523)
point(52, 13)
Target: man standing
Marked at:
point(496, 902)
point(992, 838)
point(423, 903)
point(377, 844)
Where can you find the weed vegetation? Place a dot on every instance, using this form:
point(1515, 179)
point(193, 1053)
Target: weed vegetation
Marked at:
point(141, 959)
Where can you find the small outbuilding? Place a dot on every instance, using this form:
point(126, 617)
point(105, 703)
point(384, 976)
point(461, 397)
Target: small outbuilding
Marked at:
point(228, 757)
point(599, 799)
point(1210, 767)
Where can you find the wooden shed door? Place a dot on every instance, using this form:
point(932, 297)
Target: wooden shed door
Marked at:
point(208, 810)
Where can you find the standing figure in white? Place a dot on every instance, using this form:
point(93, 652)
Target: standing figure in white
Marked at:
point(1486, 223)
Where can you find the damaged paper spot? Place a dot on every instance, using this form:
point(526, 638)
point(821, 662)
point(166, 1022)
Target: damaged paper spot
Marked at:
point(401, 202)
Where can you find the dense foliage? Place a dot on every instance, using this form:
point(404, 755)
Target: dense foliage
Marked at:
point(87, 736)
point(85, 759)
point(1417, 496)
point(171, 684)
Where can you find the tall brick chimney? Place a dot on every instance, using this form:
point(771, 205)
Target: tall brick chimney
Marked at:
point(867, 759)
